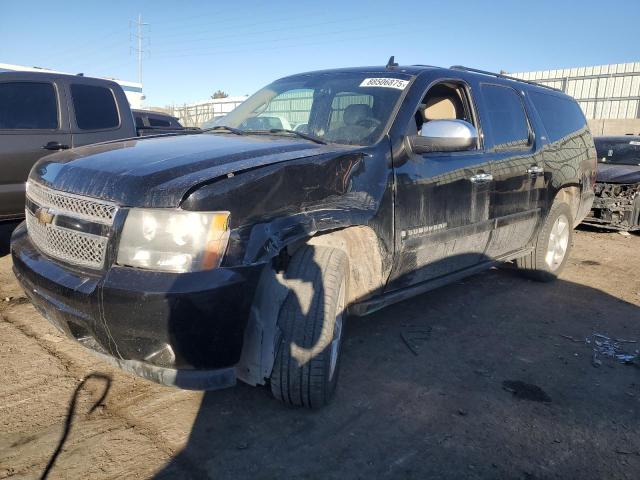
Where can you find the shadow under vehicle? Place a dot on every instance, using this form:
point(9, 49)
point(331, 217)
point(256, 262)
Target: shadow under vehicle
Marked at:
point(237, 254)
point(398, 414)
point(617, 192)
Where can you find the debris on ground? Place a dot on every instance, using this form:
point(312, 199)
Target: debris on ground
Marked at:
point(569, 337)
point(526, 391)
point(604, 346)
point(12, 301)
point(414, 337)
point(624, 234)
point(627, 452)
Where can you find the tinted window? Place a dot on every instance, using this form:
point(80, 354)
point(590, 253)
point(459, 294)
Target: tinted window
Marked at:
point(28, 105)
point(95, 107)
point(622, 152)
point(159, 122)
point(561, 116)
point(507, 118)
point(139, 121)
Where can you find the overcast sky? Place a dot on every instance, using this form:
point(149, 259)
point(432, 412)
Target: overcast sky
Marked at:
point(195, 48)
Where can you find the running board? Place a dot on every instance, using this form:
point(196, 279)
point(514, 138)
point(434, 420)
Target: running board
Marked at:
point(374, 304)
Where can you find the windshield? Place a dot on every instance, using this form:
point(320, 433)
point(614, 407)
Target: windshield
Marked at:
point(620, 152)
point(336, 107)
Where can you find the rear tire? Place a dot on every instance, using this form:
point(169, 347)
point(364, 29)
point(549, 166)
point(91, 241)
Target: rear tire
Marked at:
point(552, 246)
point(305, 371)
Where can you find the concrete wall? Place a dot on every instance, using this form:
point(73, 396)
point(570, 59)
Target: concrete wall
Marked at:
point(614, 126)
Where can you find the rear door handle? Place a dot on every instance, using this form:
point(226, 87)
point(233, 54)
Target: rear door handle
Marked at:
point(535, 170)
point(481, 178)
point(55, 146)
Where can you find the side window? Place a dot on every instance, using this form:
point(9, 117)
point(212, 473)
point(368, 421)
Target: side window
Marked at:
point(506, 116)
point(159, 122)
point(95, 107)
point(28, 105)
point(561, 116)
point(443, 101)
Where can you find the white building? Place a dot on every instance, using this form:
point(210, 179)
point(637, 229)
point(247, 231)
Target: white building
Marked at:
point(608, 94)
point(133, 90)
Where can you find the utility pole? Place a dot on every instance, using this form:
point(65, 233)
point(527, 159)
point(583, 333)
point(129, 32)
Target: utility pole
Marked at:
point(139, 36)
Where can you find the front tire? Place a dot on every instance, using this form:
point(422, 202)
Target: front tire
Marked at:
point(306, 367)
point(552, 246)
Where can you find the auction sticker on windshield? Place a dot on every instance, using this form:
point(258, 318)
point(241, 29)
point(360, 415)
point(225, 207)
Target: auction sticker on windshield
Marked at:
point(385, 83)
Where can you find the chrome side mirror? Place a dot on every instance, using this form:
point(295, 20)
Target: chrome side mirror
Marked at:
point(445, 136)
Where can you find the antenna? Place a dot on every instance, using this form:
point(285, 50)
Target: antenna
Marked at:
point(139, 36)
point(391, 63)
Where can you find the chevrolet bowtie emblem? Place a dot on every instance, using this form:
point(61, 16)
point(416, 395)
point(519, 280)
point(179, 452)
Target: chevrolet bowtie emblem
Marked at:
point(44, 216)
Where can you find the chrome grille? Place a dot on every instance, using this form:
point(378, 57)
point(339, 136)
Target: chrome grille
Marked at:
point(71, 246)
point(76, 205)
point(68, 245)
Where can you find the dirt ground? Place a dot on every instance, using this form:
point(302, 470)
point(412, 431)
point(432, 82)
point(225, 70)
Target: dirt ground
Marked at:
point(441, 412)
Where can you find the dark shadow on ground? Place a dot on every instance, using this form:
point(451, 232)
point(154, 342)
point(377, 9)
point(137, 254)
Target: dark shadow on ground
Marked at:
point(6, 228)
point(443, 412)
point(597, 229)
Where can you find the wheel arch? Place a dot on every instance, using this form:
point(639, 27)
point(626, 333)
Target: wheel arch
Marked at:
point(571, 195)
point(367, 275)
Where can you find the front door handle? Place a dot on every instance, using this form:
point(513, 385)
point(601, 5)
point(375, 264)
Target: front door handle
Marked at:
point(481, 178)
point(535, 170)
point(55, 146)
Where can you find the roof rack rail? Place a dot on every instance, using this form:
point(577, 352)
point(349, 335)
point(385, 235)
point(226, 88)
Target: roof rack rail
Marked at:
point(502, 75)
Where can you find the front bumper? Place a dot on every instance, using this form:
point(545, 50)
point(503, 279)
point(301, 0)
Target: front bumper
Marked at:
point(616, 207)
point(184, 330)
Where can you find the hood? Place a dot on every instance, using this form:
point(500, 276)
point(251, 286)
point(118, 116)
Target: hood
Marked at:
point(158, 172)
point(611, 173)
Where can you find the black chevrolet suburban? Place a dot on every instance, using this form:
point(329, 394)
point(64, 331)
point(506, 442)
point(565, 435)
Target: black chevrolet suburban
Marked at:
point(237, 254)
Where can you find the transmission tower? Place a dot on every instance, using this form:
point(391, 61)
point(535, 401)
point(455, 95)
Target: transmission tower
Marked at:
point(138, 35)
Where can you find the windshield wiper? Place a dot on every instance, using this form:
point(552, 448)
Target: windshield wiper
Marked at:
point(306, 136)
point(235, 131)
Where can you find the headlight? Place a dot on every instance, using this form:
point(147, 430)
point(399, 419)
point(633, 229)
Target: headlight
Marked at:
point(173, 240)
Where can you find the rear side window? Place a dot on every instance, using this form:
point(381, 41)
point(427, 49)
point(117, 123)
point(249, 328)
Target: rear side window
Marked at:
point(159, 122)
point(95, 107)
point(561, 116)
point(507, 118)
point(28, 105)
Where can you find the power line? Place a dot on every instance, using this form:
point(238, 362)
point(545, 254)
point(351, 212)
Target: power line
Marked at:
point(247, 31)
point(96, 45)
point(331, 35)
point(271, 48)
